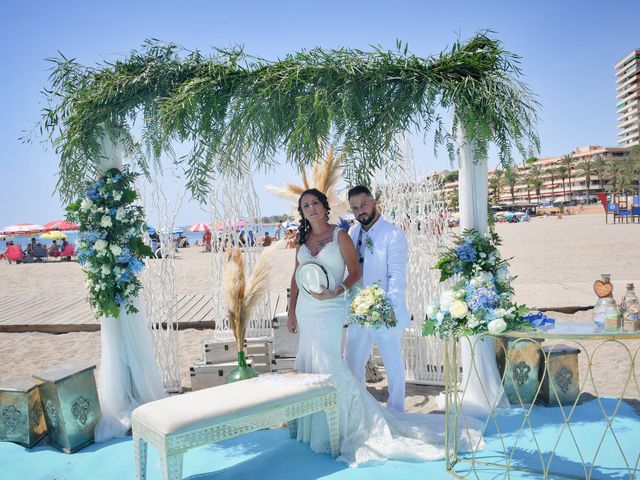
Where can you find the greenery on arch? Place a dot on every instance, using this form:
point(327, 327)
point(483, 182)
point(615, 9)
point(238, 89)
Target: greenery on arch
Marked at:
point(230, 106)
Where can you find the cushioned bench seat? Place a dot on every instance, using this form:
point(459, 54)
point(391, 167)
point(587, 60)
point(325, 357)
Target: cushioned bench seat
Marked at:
point(176, 424)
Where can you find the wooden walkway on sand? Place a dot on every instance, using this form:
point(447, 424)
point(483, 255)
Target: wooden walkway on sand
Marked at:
point(72, 314)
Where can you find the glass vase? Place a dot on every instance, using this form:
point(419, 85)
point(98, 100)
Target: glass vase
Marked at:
point(243, 372)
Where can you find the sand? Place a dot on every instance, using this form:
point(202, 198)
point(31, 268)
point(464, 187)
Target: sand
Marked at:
point(575, 249)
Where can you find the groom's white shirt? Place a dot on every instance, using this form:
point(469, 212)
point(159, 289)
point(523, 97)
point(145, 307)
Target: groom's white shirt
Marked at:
point(386, 263)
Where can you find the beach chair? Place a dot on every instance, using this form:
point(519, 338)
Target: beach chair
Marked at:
point(635, 209)
point(39, 253)
point(14, 253)
point(612, 209)
point(67, 253)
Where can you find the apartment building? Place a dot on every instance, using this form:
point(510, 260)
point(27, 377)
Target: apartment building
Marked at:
point(552, 189)
point(628, 99)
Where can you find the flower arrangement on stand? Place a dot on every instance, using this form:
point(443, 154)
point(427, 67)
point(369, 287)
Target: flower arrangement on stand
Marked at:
point(110, 247)
point(481, 300)
point(371, 307)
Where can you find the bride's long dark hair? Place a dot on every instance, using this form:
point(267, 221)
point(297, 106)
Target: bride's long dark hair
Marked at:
point(305, 226)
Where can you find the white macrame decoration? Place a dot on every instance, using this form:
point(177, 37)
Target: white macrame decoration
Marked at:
point(235, 208)
point(414, 203)
point(159, 293)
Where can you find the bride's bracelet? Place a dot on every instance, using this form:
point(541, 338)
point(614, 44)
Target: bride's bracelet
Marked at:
point(344, 287)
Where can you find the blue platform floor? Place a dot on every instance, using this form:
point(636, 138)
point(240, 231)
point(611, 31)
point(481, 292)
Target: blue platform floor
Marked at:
point(271, 455)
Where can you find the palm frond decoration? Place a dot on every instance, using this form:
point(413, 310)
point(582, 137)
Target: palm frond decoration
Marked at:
point(240, 295)
point(230, 107)
point(325, 175)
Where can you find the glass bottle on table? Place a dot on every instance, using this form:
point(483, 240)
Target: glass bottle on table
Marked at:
point(630, 309)
point(606, 313)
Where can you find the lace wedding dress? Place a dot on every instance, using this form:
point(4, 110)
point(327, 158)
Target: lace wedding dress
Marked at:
point(368, 431)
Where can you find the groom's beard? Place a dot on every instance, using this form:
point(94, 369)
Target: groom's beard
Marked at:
point(365, 219)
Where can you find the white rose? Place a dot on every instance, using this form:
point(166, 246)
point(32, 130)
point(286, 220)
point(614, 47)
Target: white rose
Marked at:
point(120, 214)
point(497, 326)
point(100, 245)
point(446, 300)
point(115, 249)
point(106, 221)
point(499, 312)
point(117, 196)
point(459, 309)
point(86, 204)
point(106, 269)
point(431, 311)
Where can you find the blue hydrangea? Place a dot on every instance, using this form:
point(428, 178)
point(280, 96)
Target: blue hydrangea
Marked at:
point(483, 297)
point(136, 266)
point(93, 191)
point(118, 299)
point(467, 253)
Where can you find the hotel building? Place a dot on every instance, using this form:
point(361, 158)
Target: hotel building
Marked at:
point(628, 99)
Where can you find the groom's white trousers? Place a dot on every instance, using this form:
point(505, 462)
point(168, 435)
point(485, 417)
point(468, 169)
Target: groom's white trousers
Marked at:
point(359, 343)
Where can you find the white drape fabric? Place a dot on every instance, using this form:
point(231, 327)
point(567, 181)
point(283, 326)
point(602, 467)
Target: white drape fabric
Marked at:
point(128, 373)
point(480, 377)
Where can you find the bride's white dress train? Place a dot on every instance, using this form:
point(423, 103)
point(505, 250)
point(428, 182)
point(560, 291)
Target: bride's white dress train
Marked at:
point(368, 431)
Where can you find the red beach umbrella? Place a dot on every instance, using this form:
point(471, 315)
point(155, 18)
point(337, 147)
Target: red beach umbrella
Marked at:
point(23, 229)
point(199, 227)
point(60, 225)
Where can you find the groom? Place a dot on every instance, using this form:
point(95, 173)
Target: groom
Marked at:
point(381, 249)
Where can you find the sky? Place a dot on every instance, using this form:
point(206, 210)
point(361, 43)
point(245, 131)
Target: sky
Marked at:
point(568, 51)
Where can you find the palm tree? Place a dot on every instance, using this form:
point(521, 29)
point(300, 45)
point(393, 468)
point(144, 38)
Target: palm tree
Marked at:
point(567, 161)
point(615, 171)
point(495, 184)
point(600, 169)
point(511, 179)
point(586, 168)
point(535, 177)
point(561, 172)
point(553, 173)
point(528, 183)
point(634, 161)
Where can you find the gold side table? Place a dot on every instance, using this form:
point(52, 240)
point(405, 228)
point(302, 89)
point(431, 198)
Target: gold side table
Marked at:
point(576, 335)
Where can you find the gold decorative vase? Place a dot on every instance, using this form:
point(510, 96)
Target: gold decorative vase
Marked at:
point(243, 372)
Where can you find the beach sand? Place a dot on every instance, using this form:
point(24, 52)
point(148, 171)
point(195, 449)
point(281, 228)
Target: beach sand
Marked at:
point(576, 249)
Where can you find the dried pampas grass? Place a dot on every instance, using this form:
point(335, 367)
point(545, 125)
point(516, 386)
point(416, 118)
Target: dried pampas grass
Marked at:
point(240, 295)
point(324, 176)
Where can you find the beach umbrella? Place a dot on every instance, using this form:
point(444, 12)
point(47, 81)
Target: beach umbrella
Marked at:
point(60, 225)
point(151, 230)
point(22, 229)
point(199, 227)
point(53, 235)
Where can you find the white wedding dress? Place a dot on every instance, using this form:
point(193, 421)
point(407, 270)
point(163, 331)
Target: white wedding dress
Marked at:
point(368, 431)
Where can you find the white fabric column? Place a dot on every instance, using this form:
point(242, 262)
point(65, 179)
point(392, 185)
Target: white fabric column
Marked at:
point(128, 372)
point(480, 378)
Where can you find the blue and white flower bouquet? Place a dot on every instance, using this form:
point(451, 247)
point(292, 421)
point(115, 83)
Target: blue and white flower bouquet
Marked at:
point(371, 307)
point(110, 246)
point(481, 300)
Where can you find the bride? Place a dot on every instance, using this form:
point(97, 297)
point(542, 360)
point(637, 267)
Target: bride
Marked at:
point(368, 431)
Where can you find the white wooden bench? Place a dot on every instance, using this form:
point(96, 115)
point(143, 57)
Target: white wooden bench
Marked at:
point(179, 423)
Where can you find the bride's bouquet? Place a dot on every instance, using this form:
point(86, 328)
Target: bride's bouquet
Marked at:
point(371, 307)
